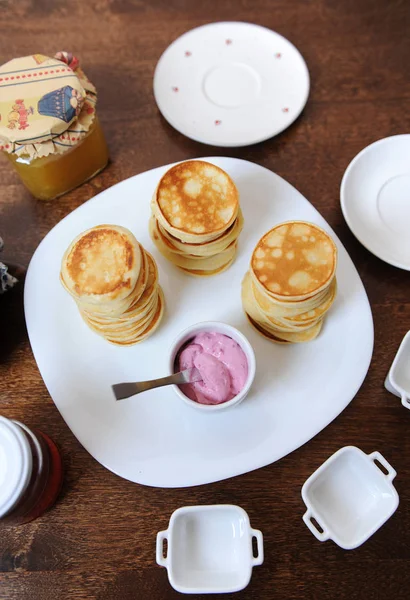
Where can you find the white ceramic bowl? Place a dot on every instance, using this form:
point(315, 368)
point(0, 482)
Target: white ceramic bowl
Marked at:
point(218, 327)
point(209, 549)
point(350, 497)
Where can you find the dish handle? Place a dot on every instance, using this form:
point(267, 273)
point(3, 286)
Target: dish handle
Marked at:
point(257, 560)
point(161, 560)
point(322, 536)
point(391, 473)
point(405, 400)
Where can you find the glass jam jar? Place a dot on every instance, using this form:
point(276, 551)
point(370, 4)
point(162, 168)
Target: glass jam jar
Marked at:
point(49, 128)
point(31, 473)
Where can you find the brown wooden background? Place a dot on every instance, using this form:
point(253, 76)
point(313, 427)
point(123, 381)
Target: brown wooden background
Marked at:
point(99, 540)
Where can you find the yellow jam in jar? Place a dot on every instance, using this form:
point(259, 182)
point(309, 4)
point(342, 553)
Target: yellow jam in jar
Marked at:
point(51, 176)
point(49, 128)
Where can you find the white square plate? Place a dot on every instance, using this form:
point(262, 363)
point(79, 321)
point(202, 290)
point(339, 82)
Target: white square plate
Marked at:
point(154, 438)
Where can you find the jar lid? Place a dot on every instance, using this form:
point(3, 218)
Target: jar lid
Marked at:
point(15, 464)
point(40, 99)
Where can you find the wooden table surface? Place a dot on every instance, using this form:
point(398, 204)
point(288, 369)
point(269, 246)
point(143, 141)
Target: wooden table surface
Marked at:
point(98, 542)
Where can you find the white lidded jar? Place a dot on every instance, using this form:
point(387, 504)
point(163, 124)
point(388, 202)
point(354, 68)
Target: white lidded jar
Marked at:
point(31, 472)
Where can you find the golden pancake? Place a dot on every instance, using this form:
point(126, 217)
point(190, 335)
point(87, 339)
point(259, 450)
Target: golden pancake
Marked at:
point(287, 307)
point(102, 265)
point(119, 307)
point(123, 329)
point(195, 201)
point(288, 333)
point(295, 311)
point(137, 317)
point(87, 264)
point(197, 273)
point(205, 249)
point(190, 261)
point(139, 308)
point(319, 311)
point(288, 326)
point(291, 283)
point(130, 334)
point(294, 260)
point(287, 338)
point(149, 330)
point(121, 324)
point(260, 330)
point(253, 309)
point(196, 219)
point(299, 337)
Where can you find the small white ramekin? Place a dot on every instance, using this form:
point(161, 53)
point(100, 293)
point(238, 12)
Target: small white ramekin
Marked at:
point(217, 327)
point(209, 549)
point(350, 497)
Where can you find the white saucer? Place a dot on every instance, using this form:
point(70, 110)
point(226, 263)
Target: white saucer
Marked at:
point(375, 199)
point(231, 84)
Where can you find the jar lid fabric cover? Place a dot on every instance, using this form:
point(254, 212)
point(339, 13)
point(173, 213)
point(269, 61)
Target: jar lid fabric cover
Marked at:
point(42, 101)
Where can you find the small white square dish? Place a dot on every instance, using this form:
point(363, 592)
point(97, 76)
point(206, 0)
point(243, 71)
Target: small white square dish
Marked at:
point(398, 379)
point(350, 497)
point(209, 549)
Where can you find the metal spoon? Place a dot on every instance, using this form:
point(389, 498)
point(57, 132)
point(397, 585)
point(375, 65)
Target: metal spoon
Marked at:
point(126, 390)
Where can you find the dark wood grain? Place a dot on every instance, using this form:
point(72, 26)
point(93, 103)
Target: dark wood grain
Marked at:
point(98, 542)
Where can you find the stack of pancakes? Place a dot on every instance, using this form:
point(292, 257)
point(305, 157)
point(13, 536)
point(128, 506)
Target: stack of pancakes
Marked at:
point(114, 282)
point(196, 218)
point(291, 282)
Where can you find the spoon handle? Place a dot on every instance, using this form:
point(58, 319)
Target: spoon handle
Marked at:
point(126, 390)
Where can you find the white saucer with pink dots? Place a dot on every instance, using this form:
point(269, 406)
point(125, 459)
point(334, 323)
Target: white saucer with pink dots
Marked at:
point(231, 84)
